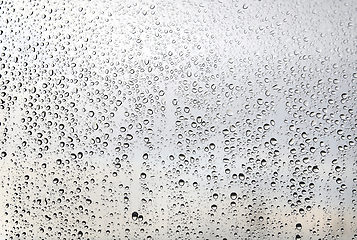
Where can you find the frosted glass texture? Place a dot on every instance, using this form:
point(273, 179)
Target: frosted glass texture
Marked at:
point(201, 119)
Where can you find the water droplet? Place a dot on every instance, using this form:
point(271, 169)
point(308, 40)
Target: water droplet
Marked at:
point(273, 141)
point(298, 226)
point(181, 182)
point(134, 216)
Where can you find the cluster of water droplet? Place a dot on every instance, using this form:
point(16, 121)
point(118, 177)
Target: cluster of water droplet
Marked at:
point(178, 120)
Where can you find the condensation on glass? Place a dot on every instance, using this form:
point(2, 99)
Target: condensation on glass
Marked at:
point(211, 119)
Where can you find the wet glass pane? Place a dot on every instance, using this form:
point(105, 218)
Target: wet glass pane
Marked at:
point(212, 119)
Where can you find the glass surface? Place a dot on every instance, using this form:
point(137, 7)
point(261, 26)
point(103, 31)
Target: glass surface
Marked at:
point(212, 119)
